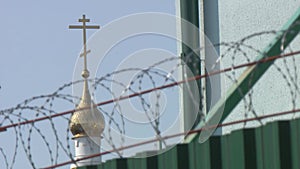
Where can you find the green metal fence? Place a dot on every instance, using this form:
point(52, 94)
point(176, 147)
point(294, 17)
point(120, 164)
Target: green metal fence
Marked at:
point(275, 145)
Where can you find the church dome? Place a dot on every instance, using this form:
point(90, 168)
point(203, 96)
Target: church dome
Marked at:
point(87, 120)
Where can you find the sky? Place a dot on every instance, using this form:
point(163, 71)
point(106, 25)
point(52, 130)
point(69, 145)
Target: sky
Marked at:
point(39, 52)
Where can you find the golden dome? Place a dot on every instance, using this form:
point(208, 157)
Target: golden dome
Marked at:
point(87, 120)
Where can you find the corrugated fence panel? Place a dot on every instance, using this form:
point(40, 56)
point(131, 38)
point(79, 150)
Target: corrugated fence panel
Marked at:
point(295, 143)
point(250, 149)
point(275, 145)
point(176, 158)
point(199, 155)
point(285, 151)
point(137, 163)
point(142, 163)
point(182, 156)
point(91, 167)
point(215, 152)
point(115, 164)
point(152, 162)
point(268, 146)
point(233, 150)
point(168, 159)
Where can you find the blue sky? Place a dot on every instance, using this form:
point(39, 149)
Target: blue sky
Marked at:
point(37, 48)
point(39, 52)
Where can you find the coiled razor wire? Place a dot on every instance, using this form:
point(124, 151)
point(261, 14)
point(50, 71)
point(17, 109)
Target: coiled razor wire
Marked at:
point(54, 133)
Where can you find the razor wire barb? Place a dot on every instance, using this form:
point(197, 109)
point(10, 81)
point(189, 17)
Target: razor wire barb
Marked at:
point(54, 133)
point(296, 111)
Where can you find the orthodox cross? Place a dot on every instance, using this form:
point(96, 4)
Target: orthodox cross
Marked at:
point(84, 20)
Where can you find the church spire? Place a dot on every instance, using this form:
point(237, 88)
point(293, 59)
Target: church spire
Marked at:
point(87, 122)
point(82, 121)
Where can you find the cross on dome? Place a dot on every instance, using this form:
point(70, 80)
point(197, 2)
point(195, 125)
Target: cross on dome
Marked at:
point(84, 27)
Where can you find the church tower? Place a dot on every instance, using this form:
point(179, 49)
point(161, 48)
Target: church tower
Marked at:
point(87, 122)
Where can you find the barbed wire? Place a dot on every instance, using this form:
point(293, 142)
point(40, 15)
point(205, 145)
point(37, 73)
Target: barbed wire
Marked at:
point(176, 135)
point(55, 135)
point(3, 128)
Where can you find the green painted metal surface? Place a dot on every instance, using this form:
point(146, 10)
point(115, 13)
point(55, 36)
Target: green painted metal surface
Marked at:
point(215, 152)
point(199, 155)
point(248, 79)
point(250, 151)
point(285, 144)
point(268, 146)
point(114, 164)
point(89, 167)
point(275, 145)
point(168, 159)
point(142, 163)
point(233, 150)
point(137, 163)
point(176, 158)
point(295, 143)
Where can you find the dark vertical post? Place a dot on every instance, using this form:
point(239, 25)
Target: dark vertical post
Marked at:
point(210, 27)
point(189, 11)
point(211, 30)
